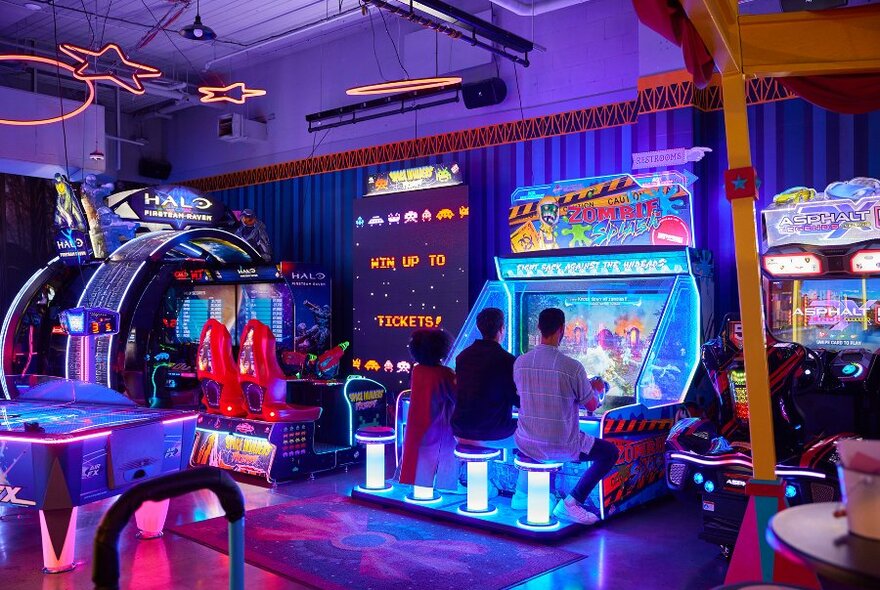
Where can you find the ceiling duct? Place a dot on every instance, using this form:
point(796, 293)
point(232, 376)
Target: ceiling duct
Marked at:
point(535, 7)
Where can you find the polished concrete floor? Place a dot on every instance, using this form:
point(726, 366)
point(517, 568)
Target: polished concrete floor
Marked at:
point(655, 546)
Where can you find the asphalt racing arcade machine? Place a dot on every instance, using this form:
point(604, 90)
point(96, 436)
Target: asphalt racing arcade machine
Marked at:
point(821, 268)
point(616, 255)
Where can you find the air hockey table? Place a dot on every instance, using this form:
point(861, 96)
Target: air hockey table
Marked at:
point(66, 443)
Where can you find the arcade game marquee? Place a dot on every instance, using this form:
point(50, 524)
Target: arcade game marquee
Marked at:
point(168, 261)
point(821, 268)
point(617, 256)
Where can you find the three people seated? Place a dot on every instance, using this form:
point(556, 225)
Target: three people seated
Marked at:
point(476, 407)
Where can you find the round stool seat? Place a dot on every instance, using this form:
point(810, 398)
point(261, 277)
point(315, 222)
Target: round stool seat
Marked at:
point(468, 453)
point(525, 463)
point(374, 434)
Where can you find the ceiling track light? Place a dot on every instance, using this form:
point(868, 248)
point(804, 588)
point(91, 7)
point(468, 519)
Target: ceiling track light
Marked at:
point(197, 31)
point(457, 24)
point(386, 106)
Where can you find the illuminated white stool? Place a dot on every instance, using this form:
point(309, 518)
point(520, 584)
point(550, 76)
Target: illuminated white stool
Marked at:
point(477, 459)
point(423, 495)
point(538, 514)
point(374, 438)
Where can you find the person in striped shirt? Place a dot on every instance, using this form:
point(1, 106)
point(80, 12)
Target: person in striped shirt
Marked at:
point(552, 387)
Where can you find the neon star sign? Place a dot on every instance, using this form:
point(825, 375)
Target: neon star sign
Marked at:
point(236, 93)
point(90, 96)
point(87, 67)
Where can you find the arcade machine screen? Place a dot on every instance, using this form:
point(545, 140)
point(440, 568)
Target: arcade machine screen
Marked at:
point(609, 329)
point(832, 314)
point(410, 271)
point(267, 303)
point(193, 307)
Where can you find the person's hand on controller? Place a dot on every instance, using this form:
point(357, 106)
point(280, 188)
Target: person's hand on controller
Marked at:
point(600, 386)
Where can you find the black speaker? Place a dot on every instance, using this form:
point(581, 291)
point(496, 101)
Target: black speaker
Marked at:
point(484, 93)
point(795, 5)
point(159, 169)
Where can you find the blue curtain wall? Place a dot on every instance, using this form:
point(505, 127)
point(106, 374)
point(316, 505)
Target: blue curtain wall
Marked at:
point(793, 143)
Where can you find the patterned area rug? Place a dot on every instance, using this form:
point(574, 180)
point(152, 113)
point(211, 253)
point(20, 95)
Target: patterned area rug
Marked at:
point(331, 542)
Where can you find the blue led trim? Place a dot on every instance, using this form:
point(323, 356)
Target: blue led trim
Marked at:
point(630, 264)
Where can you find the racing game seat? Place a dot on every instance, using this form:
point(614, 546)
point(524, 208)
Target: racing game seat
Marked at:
point(217, 373)
point(793, 368)
point(262, 380)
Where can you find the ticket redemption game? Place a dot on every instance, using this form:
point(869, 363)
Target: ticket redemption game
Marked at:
point(822, 287)
point(616, 256)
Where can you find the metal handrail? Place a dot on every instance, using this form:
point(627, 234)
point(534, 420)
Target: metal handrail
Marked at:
point(105, 571)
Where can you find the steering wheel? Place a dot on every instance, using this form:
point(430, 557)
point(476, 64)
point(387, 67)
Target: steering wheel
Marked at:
point(812, 370)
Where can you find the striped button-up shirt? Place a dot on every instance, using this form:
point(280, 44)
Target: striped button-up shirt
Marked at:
point(551, 387)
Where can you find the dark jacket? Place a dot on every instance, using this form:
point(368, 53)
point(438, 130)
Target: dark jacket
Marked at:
point(485, 393)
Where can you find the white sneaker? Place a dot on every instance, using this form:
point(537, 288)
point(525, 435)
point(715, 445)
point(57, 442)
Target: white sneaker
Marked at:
point(570, 509)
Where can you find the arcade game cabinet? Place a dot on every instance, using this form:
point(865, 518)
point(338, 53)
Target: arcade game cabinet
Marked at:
point(178, 266)
point(174, 231)
point(617, 257)
point(821, 268)
point(262, 422)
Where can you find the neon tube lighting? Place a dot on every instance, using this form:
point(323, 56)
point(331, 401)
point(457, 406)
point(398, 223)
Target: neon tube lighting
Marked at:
point(414, 500)
point(464, 512)
point(180, 419)
point(744, 463)
point(537, 527)
point(369, 440)
point(52, 441)
point(478, 457)
point(82, 55)
point(542, 466)
point(801, 472)
point(90, 97)
point(711, 462)
point(402, 86)
point(363, 490)
point(221, 93)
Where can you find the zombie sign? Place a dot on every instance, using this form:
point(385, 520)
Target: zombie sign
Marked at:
point(609, 211)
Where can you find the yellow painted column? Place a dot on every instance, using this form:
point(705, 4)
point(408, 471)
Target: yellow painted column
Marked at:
point(748, 273)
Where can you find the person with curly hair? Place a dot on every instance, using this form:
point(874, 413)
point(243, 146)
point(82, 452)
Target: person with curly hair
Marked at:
point(428, 444)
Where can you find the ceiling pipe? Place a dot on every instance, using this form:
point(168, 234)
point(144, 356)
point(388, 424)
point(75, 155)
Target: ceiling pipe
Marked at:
point(174, 91)
point(307, 27)
point(123, 140)
point(536, 7)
